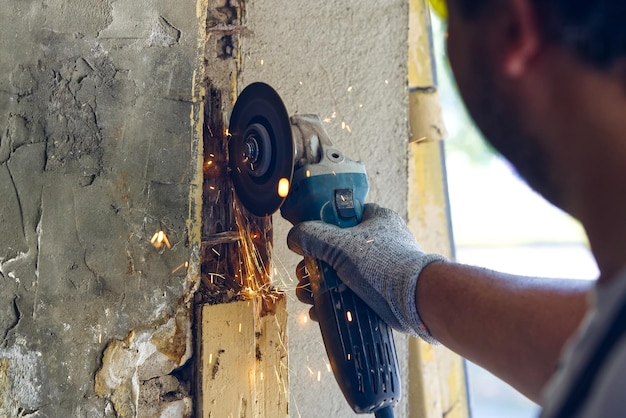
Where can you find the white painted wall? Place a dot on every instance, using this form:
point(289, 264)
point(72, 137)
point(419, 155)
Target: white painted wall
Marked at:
point(345, 61)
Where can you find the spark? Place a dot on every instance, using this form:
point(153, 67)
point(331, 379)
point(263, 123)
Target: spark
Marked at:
point(386, 81)
point(285, 277)
point(327, 120)
point(343, 125)
point(210, 358)
point(328, 366)
point(261, 376)
point(319, 375)
point(183, 265)
point(226, 133)
point(212, 187)
point(213, 275)
point(348, 128)
point(262, 61)
point(369, 241)
point(240, 327)
point(360, 104)
point(100, 338)
point(215, 251)
point(301, 83)
point(308, 173)
point(278, 379)
point(253, 276)
point(349, 316)
point(349, 88)
point(159, 239)
point(283, 187)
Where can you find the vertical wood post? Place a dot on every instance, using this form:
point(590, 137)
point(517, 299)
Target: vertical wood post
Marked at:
point(437, 385)
point(244, 359)
point(241, 320)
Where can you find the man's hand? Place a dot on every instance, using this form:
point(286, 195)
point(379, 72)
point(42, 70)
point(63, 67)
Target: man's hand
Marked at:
point(378, 259)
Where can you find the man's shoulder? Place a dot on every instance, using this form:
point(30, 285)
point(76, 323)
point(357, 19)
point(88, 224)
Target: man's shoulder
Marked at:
point(594, 359)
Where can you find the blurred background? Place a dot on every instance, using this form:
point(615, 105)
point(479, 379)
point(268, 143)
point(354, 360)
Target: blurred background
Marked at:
point(500, 223)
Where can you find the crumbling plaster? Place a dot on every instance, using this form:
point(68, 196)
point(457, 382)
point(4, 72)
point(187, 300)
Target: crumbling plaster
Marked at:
point(95, 157)
point(345, 61)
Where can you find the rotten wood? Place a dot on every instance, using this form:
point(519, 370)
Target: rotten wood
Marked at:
point(235, 244)
point(241, 319)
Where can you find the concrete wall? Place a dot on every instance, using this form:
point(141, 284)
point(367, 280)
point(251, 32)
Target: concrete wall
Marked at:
point(99, 150)
point(345, 61)
point(95, 157)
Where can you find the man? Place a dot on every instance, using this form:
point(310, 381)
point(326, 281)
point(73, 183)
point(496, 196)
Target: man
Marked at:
point(545, 80)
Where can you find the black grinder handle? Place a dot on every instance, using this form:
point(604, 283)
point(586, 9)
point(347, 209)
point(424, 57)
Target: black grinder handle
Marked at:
point(359, 344)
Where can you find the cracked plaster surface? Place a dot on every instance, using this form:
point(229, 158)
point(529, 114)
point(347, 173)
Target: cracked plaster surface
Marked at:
point(135, 374)
point(95, 156)
point(20, 380)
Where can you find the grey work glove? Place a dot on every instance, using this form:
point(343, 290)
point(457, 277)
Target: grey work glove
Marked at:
point(378, 259)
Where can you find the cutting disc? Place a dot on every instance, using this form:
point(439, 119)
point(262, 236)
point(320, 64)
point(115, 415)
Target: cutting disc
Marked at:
point(261, 150)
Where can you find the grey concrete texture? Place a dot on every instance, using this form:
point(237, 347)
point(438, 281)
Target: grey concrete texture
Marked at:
point(95, 157)
point(345, 61)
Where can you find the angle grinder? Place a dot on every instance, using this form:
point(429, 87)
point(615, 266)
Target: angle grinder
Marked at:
point(277, 161)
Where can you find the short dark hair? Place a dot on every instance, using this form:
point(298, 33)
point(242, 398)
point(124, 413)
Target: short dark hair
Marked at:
point(594, 29)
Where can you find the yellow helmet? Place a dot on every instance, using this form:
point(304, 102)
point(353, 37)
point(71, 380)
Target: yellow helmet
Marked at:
point(440, 7)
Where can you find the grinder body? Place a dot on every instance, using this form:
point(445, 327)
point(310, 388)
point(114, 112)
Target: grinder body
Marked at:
point(268, 147)
point(330, 187)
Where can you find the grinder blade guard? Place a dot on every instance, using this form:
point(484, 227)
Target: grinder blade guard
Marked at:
point(260, 149)
point(326, 186)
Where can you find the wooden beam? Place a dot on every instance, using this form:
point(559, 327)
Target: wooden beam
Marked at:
point(244, 360)
point(436, 375)
point(241, 320)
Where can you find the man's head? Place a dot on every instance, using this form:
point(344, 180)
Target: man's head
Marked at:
point(594, 29)
point(517, 63)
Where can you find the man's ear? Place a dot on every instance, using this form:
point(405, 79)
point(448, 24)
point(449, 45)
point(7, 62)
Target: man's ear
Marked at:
point(523, 38)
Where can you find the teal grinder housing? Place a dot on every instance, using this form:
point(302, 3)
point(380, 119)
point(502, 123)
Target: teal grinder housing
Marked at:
point(268, 150)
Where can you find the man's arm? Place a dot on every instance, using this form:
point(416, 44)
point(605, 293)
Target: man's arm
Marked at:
point(513, 326)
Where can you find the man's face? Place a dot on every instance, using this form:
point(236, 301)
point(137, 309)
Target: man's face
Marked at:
point(492, 100)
